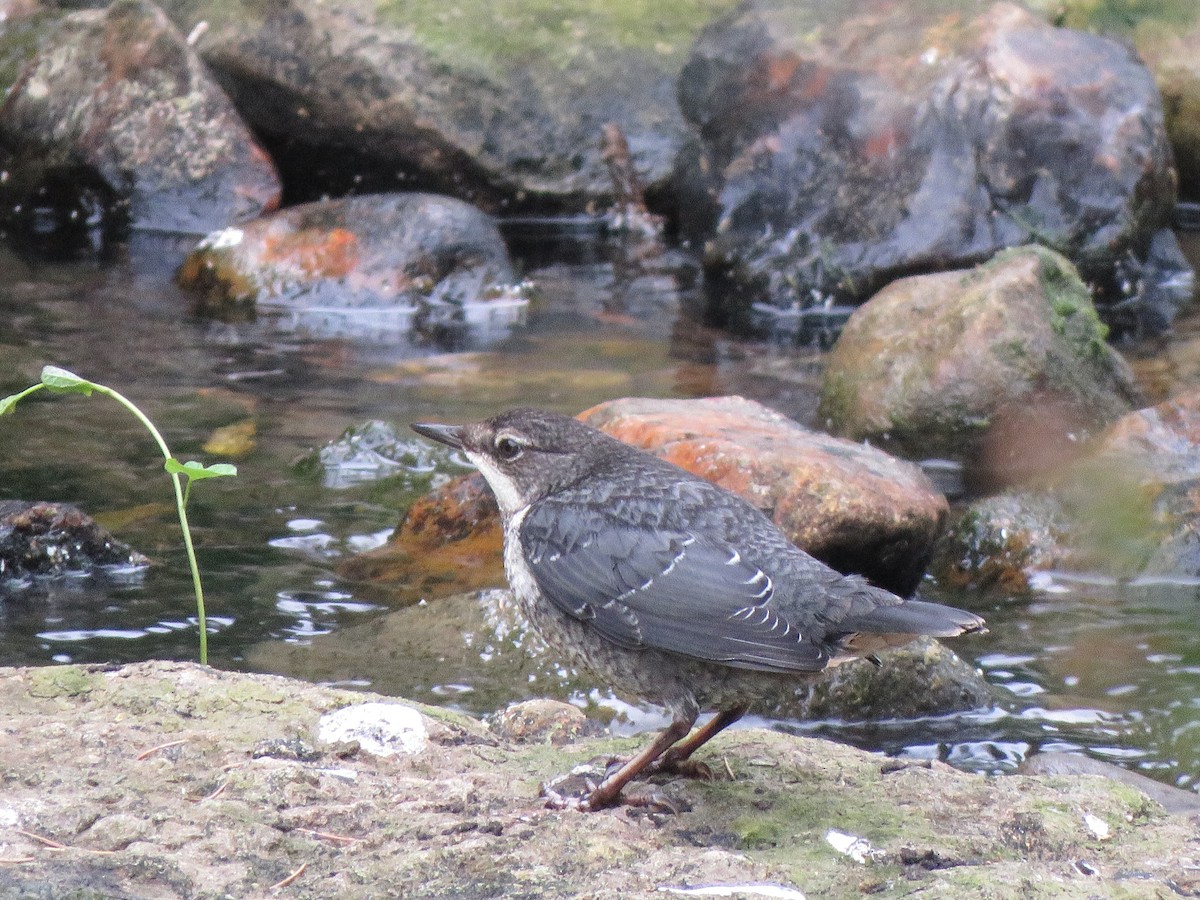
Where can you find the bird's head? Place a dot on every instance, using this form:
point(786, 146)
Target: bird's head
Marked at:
point(527, 454)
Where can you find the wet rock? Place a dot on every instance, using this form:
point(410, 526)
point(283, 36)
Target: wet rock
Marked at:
point(1167, 37)
point(1152, 457)
point(850, 505)
point(116, 107)
point(502, 106)
point(835, 155)
point(998, 542)
point(392, 263)
point(450, 540)
point(373, 451)
point(55, 539)
point(922, 679)
point(995, 364)
point(479, 650)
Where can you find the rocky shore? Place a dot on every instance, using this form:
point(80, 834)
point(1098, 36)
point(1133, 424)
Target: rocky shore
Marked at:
point(171, 780)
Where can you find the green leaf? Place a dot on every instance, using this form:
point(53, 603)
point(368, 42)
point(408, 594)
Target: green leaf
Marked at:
point(65, 382)
point(9, 403)
point(196, 471)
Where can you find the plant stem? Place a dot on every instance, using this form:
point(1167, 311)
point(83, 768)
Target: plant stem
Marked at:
point(181, 505)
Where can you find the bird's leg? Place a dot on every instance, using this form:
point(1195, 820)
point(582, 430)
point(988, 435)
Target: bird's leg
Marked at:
point(608, 790)
point(673, 759)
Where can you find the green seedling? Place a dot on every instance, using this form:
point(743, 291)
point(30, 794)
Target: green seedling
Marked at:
point(60, 381)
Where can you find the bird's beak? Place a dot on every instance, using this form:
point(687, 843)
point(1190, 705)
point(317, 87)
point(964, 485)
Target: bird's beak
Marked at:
point(450, 435)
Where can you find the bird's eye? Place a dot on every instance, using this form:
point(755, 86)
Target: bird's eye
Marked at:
point(507, 448)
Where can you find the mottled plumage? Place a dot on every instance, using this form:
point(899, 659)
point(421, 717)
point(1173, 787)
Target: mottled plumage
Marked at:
point(665, 585)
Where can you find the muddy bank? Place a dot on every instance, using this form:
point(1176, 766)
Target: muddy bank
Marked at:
point(171, 780)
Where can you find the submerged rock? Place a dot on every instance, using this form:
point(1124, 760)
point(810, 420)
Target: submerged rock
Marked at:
point(117, 105)
point(384, 265)
point(995, 364)
point(835, 154)
point(52, 539)
point(373, 451)
point(998, 542)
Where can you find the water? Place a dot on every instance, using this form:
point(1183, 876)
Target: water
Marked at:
point(1113, 669)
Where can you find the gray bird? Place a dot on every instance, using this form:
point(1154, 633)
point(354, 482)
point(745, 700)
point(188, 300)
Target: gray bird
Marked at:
point(667, 586)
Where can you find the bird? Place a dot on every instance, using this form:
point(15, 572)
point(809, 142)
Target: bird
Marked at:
point(665, 585)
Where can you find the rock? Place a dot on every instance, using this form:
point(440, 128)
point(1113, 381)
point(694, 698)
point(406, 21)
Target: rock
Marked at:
point(378, 265)
point(478, 649)
point(450, 541)
point(380, 729)
point(1172, 799)
point(1167, 36)
point(856, 508)
point(999, 541)
point(540, 721)
point(850, 505)
point(967, 363)
point(373, 451)
point(115, 105)
point(921, 679)
point(501, 106)
point(1128, 507)
point(56, 539)
point(464, 818)
point(835, 155)
point(1151, 460)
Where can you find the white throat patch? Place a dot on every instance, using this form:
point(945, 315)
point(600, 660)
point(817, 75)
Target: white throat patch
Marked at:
point(505, 489)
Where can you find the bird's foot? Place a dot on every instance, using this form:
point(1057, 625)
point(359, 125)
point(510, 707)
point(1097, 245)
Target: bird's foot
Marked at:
point(685, 768)
point(587, 789)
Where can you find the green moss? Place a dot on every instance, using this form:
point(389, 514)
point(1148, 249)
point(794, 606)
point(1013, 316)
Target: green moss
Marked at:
point(61, 681)
point(506, 32)
point(838, 401)
point(1122, 16)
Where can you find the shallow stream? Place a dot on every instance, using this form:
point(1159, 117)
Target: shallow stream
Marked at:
point(1089, 663)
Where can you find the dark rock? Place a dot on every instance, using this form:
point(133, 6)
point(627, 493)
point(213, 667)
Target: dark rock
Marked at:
point(382, 264)
point(1166, 35)
point(55, 539)
point(921, 679)
point(835, 155)
point(996, 364)
point(998, 541)
point(501, 106)
point(116, 106)
point(850, 505)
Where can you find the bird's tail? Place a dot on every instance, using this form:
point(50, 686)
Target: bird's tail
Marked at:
point(917, 617)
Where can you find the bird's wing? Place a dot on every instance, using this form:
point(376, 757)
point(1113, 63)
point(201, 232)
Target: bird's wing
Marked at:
point(664, 589)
